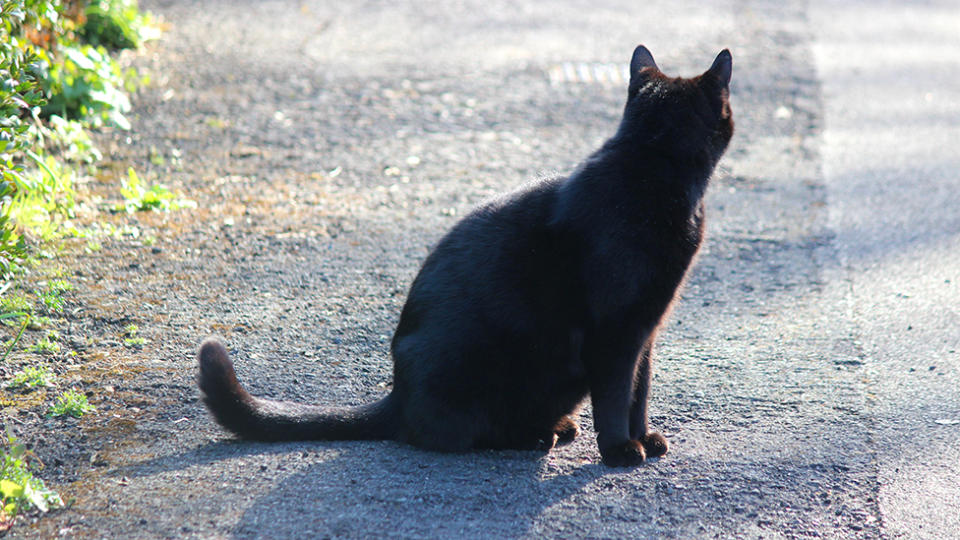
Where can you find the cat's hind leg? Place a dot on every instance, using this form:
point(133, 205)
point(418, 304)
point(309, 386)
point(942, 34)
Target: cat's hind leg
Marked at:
point(567, 430)
point(525, 438)
point(433, 425)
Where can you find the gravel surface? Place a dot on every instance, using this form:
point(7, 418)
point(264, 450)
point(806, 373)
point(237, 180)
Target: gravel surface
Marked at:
point(329, 145)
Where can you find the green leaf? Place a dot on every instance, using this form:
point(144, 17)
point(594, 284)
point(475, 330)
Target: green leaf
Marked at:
point(82, 61)
point(10, 489)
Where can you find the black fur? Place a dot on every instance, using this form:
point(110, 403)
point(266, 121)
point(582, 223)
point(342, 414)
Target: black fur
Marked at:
point(539, 298)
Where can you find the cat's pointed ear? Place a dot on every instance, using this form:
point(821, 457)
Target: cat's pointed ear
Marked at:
point(722, 67)
point(642, 58)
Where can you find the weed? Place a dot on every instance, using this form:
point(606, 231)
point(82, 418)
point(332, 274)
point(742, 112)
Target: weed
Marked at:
point(71, 403)
point(15, 304)
point(70, 139)
point(38, 322)
point(12, 342)
point(214, 122)
point(52, 297)
point(59, 285)
point(57, 273)
point(19, 489)
point(30, 378)
point(52, 300)
point(46, 345)
point(52, 89)
point(156, 158)
point(138, 198)
point(132, 339)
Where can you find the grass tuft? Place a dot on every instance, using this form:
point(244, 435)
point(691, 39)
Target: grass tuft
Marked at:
point(72, 403)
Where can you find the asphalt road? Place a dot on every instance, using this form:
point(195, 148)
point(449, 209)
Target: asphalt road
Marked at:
point(892, 172)
point(806, 382)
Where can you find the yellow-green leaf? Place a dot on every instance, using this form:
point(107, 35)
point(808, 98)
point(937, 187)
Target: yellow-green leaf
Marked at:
point(10, 489)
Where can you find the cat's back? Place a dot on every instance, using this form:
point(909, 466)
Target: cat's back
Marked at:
point(506, 229)
point(499, 261)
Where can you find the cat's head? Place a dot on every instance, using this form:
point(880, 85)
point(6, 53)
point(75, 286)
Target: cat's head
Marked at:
point(680, 115)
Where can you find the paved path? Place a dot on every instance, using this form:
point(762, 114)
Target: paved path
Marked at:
point(330, 144)
point(892, 171)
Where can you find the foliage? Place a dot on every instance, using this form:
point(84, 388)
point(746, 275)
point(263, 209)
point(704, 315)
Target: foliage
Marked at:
point(19, 489)
point(46, 345)
point(87, 83)
point(71, 403)
point(15, 304)
point(116, 24)
point(131, 338)
point(25, 316)
point(48, 200)
point(20, 100)
point(52, 297)
point(57, 79)
point(138, 198)
point(31, 377)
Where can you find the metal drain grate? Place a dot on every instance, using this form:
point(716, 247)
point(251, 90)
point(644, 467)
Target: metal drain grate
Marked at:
point(609, 74)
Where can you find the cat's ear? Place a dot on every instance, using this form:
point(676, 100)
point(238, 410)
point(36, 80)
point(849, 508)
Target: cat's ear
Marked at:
point(722, 67)
point(641, 60)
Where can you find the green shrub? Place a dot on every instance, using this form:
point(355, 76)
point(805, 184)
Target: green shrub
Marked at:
point(21, 97)
point(56, 79)
point(86, 83)
point(115, 24)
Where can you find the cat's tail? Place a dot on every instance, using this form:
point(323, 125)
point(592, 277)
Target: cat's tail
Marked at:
point(268, 420)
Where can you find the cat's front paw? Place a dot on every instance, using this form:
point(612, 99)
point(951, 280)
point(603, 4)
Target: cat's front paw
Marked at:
point(655, 445)
point(626, 454)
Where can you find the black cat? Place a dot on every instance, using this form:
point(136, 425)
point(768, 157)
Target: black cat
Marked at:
point(538, 298)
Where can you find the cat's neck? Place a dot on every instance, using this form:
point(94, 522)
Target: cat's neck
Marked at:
point(651, 172)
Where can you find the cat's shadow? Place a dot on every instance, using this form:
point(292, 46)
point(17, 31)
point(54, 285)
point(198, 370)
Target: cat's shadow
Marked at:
point(406, 492)
point(357, 489)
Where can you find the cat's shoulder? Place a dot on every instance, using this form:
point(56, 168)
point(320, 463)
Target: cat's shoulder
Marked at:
point(530, 195)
